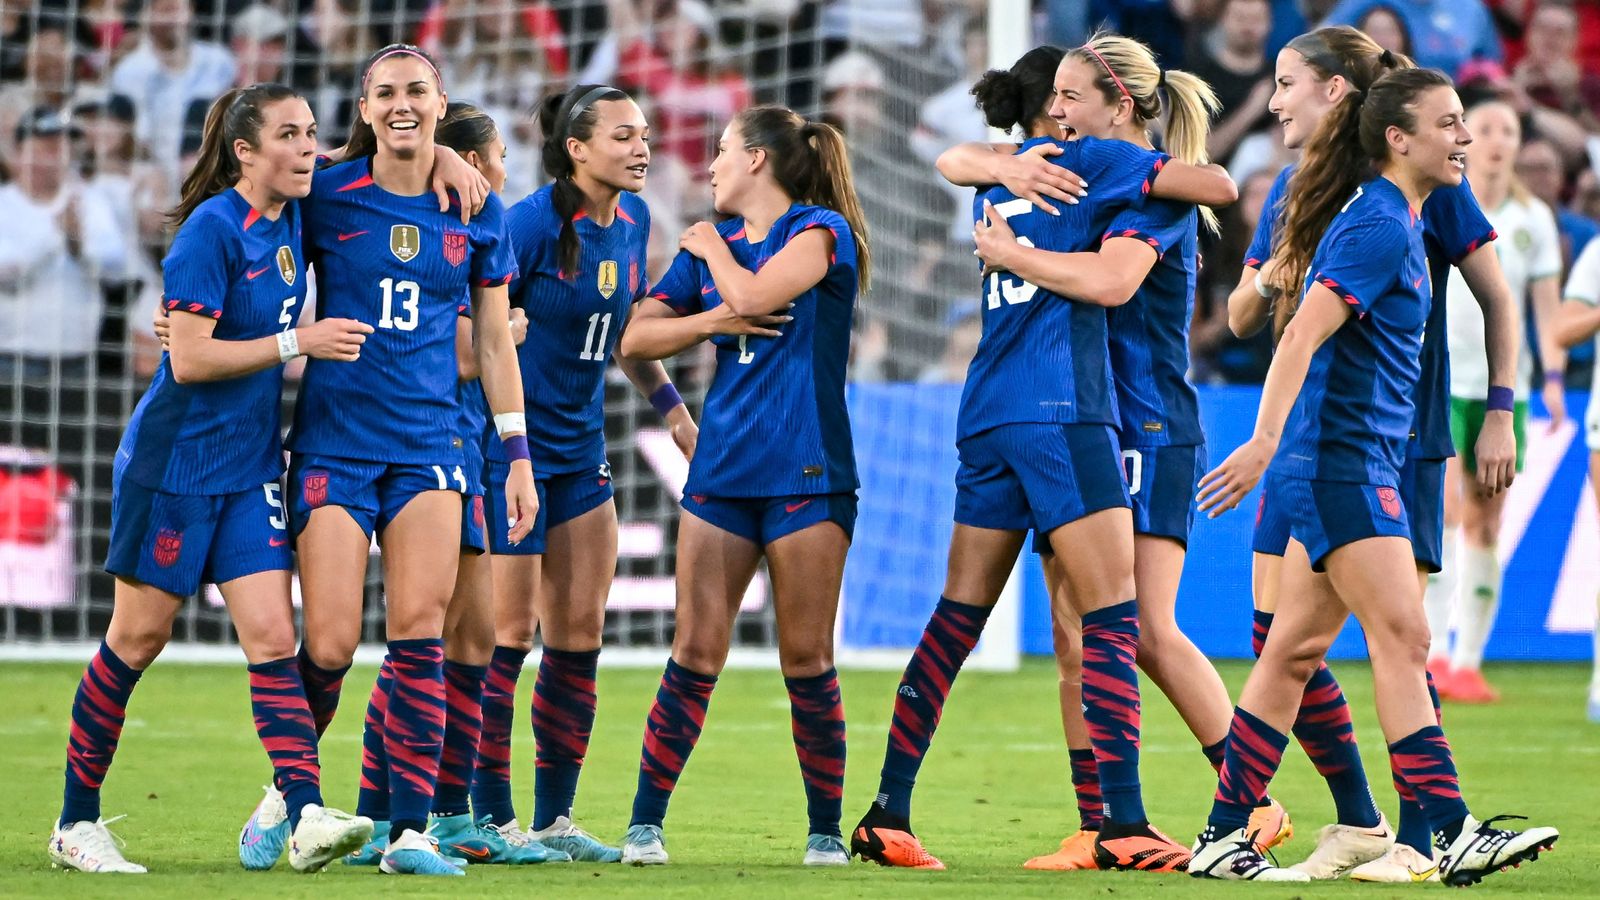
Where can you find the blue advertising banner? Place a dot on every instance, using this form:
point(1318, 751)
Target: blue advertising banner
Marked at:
point(905, 448)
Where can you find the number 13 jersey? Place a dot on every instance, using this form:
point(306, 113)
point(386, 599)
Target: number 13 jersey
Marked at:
point(401, 266)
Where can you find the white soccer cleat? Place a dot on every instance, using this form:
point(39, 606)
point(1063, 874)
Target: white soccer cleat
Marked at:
point(90, 847)
point(1340, 848)
point(1402, 864)
point(826, 850)
point(1482, 849)
point(325, 835)
point(1236, 857)
point(644, 846)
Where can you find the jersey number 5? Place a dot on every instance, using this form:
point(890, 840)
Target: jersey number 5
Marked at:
point(409, 293)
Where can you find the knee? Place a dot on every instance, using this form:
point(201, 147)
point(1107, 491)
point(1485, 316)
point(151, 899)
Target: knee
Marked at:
point(331, 652)
point(514, 638)
point(469, 642)
point(140, 644)
point(703, 659)
point(276, 642)
point(1407, 641)
point(1482, 534)
point(1295, 662)
point(805, 658)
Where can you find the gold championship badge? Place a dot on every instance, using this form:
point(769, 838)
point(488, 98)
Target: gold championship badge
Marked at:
point(404, 242)
point(606, 281)
point(286, 265)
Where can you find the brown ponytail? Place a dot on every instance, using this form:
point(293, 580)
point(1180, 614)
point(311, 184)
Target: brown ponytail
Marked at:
point(562, 116)
point(236, 115)
point(811, 165)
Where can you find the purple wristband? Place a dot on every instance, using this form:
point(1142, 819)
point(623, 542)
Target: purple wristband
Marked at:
point(1501, 399)
point(516, 447)
point(665, 399)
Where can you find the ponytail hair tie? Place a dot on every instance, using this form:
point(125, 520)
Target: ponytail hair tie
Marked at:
point(1161, 78)
point(1387, 60)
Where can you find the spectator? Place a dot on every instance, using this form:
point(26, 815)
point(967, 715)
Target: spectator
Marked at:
point(1387, 30)
point(1232, 58)
point(337, 42)
point(963, 327)
point(1513, 16)
point(49, 65)
point(951, 117)
point(1542, 168)
point(258, 37)
point(1446, 33)
point(167, 71)
point(1550, 74)
point(1216, 355)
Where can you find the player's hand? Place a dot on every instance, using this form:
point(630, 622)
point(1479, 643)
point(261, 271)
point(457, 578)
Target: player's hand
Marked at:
point(1496, 452)
point(1033, 177)
point(519, 326)
point(685, 433)
point(162, 323)
point(452, 173)
point(701, 239)
point(994, 239)
point(336, 339)
point(1555, 400)
point(725, 321)
point(522, 501)
point(1225, 486)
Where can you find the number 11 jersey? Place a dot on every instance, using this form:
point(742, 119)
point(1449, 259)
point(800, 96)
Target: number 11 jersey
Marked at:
point(403, 267)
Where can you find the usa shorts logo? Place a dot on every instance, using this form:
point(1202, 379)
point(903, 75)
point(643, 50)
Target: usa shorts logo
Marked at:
point(477, 510)
point(168, 545)
point(1389, 501)
point(314, 487)
point(455, 246)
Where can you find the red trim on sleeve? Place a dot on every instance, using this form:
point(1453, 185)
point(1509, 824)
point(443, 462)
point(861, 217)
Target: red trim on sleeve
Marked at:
point(1473, 247)
point(1137, 235)
point(1344, 295)
point(497, 282)
point(623, 215)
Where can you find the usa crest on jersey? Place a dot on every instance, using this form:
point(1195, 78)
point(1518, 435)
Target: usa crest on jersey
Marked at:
point(404, 242)
point(286, 266)
point(606, 278)
point(455, 246)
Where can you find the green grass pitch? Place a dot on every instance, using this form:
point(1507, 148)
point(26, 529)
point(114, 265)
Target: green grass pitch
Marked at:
point(993, 792)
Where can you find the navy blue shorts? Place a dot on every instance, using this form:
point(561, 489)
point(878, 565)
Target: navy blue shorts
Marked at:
point(1422, 492)
point(177, 542)
point(473, 533)
point(373, 493)
point(1272, 523)
point(562, 498)
point(1326, 515)
point(762, 520)
point(1161, 484)
point(1039, 476)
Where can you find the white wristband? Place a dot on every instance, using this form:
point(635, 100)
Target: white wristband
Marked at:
point(1266, 293)
point(505, 423)
point(288, 345)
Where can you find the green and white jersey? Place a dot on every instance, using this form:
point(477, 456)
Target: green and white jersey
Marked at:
point(1583, 285)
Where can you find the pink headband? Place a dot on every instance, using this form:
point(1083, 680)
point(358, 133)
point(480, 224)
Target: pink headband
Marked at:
point(408, 51)
point(1114, 78)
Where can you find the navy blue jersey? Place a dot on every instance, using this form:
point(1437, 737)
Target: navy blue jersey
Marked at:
point(775, 422)
point(1043, 358)
point(474, 418)
point(1150, 333)
point(220, 437)
point(573, 325)
point(401, 266)
point(1353, 416)
point(1454, 226)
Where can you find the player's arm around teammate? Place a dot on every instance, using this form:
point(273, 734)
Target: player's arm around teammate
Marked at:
point(774, 288)
point(189, 507)
point(1355, 340)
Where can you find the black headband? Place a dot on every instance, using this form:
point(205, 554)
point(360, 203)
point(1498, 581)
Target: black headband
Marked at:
point(594, 93)
point(1314, 47)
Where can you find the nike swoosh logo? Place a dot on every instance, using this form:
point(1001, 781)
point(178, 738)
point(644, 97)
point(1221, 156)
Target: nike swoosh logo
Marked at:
point(796, 507)
point(474, 852)
point(277, 542)
point(708, 289)
point(353, 234)
point(252, 275)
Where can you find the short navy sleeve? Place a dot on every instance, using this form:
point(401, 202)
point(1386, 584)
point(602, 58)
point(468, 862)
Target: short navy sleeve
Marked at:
point(1452, 219)
point(844, 243)
point(1260, 249)
point(493, 262)
point(196, 272)
point(1162, 225)
point(1117, 172)
point(1360, 261)
point(680, 287)
point(532, 231)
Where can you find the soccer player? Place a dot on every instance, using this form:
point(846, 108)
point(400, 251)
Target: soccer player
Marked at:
point(196, 494)
point(773, 288)
point(1038, 447)
point(469, 619)
point(375, 445)
point(1530, 257)
point(1578, 321)
point(1314, 72)
point(1144, 271)
point(1335, 419)
point(580, 245)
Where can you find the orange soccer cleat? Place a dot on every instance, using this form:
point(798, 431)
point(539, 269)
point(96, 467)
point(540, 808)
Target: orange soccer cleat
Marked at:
point(1139, 848)
point(1270, 825)
point(1076, 852)
point(888, 841)
point(1469, 686)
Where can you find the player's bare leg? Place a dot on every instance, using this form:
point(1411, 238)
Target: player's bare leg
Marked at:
point(579, 562)
point(1066, 633)
point(807, 569)
point(1478, 600)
